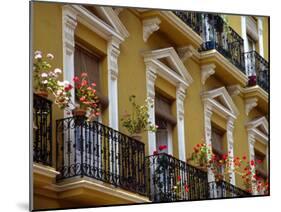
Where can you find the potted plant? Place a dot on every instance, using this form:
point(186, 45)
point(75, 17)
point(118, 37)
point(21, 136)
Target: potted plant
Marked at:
point(138, 120)
point(46, 80)
point(252, 80)
point(43, 78)
point(88, 101)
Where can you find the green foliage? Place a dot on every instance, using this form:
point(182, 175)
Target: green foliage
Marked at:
point(138, 120)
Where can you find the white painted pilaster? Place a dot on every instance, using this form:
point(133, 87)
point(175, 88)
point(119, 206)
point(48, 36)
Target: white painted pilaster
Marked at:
point(229, 135)
point(181, 93)
point(68, 28)
point(150, 82)
point(251, 140)
point(208, 134)
point(112, 58)
point(260, 34)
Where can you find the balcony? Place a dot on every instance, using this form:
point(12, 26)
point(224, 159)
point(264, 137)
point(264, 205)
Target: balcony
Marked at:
point(42, 130)
point(216, 34)
point(257, 69)
point(96, 151)
point(170, 179)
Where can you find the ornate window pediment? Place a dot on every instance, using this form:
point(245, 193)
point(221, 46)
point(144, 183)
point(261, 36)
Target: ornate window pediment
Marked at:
point(259, 127)
point(168, 65)
point(221, 102)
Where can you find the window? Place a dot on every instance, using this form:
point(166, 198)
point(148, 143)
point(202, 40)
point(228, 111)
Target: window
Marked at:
point(217, 144)
point(260, 161)
point(251, 43)
point(87, 61)
point(165, 121)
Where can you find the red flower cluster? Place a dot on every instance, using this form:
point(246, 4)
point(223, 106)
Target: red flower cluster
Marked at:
point(162, 147)
point(186, 188)
point(86, 94)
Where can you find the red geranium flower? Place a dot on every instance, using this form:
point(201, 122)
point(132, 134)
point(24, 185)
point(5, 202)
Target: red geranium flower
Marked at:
point(224, 156)
point(155, 152)
point(76, 79)
point(186, 188)
point(259, 161)
point(162, 147)
point(252, 162)
point(179, 178)
point(244, 157)
point(84, 74)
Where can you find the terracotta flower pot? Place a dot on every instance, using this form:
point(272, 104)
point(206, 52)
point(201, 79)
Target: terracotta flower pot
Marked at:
point(79, 112)
point(42, 93)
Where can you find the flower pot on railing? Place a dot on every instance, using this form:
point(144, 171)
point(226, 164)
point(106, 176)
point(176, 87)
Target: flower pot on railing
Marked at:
point(42, 93)
point(79, 112)
point(252, 80)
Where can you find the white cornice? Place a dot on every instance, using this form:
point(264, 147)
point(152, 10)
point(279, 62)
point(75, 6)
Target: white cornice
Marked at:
point(226, 64)
point(149, 26)
point(183, 27)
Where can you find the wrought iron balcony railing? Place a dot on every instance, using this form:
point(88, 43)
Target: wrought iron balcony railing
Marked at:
point(222, 189)
point(216, 34)
point(170, 179)
point(94, 150)
point(257, 69)
point(42, 130)
point(192, 19)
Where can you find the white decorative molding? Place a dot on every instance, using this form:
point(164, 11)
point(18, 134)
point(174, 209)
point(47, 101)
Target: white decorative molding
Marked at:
point(150, 83)
point(114, 32)
point(234, 90)
point(180, 95)
point(229, 137)
point(185, 52)
point(112, 58)
point(69, 20)
point(229, 111)
point(207, 71)
point(118, 10)
point(260, 36)
point(254, 135)
point(178, 75)
point(176, 72)
point(149, 26)
point(244, 34)
point(250, 104)
point(208, 134)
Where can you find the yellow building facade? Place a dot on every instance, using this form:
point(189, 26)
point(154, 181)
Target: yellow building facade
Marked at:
point(208, 76)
